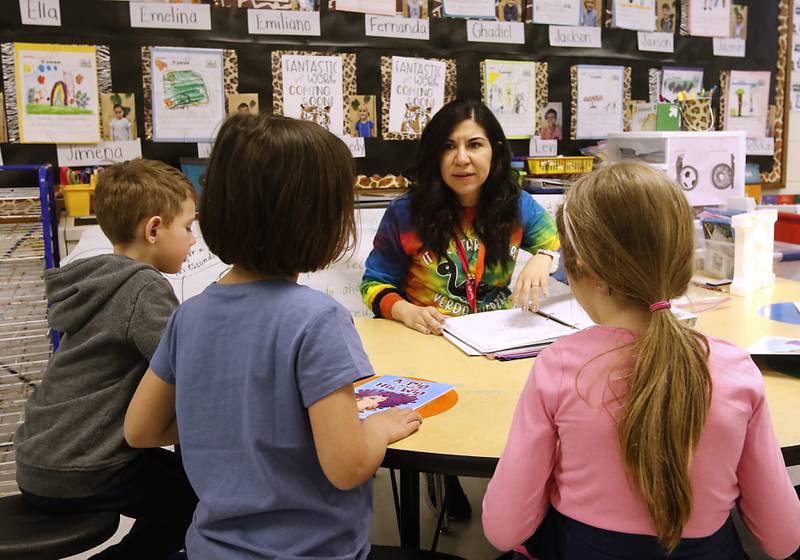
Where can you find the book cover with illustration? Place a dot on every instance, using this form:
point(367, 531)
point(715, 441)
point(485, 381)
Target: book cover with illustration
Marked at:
point(390, 391)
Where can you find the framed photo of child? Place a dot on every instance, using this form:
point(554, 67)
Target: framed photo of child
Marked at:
point(118, 113)
point(509, 10)
point(413, 9)
point(362, 116)
point(665, 16)
point(241, 103)
point(739, 22)
point(591, 13)
point(552, 116)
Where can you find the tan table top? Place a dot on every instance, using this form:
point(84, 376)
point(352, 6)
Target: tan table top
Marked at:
point(478, 424)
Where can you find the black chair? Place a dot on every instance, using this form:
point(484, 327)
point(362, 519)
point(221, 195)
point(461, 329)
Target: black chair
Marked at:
point(30, 534)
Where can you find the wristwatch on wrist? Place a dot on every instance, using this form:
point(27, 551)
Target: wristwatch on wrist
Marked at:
point(555, 256)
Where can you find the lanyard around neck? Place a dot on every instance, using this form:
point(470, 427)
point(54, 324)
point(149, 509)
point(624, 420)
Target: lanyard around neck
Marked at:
point(471, 283)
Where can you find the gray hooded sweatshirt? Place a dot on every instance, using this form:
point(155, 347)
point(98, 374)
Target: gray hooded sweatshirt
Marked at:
point(111, 311)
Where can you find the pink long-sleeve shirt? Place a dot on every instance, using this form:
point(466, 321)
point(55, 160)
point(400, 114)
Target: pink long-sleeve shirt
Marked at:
point(563, 449)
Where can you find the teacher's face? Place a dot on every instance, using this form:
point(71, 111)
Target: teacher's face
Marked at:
point(466, 161)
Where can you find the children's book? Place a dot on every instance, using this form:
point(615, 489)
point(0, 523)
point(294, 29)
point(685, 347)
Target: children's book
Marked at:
point(394, 391)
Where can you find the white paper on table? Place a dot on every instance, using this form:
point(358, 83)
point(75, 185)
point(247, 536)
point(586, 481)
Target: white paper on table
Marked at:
point(601, 101)
point(313, 89)
point(417, 93)
point(797, 306)
point(188, 94)
point(511, 95)
point(380, 7)
point(772, 345)
point(639, 16)
point(675, 81)
point(710, 18)
point(469, 8)
point(557, 12)
point(748, 102)
point(463, 346)
point(493, 331)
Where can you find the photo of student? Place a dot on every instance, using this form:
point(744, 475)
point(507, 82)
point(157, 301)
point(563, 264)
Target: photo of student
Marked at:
point(119, 116)
point(739, 23)
point(551, 122)
point(414, 9)
point(635, 438)
point(589, 13)
point(509, 10)
point(360, 116)
point(242, 103)
point(666, 17)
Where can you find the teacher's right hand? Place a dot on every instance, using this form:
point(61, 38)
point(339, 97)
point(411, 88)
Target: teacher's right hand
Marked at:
point(426, 320)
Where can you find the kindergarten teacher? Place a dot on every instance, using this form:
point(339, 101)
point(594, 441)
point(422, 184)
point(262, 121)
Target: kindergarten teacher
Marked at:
point(449, 246)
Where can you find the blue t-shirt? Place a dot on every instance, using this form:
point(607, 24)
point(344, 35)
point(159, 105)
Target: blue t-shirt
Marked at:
point(364, 129)
point(247, 361)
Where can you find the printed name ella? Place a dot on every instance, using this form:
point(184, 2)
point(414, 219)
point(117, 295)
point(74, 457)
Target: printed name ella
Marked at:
point(39, 10)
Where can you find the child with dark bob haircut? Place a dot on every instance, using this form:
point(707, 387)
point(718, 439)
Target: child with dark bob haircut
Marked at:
point(263, 368)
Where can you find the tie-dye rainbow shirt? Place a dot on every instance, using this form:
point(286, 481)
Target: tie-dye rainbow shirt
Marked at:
point(397, 269)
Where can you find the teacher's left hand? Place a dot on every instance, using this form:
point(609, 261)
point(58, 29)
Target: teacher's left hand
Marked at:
point(532, 279)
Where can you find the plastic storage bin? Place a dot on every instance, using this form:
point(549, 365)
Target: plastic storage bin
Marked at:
point(78, 199)
point(560, 165)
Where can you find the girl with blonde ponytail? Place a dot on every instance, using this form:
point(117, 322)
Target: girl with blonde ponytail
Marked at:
point(635, 438)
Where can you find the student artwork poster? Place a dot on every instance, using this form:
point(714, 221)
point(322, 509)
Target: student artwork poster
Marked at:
point(709, 18)
point(296, 5)
point(313, 90)
point(417, 93)
point(600, 101)
point(379, 7)
point(510, 93)
point(748, 102)
point(390, 391)
point(676, 81)
point(119, 116)
point(564, 12)
point(473, 9)
point(188, 97)
point(639, 15)
point(57, 93)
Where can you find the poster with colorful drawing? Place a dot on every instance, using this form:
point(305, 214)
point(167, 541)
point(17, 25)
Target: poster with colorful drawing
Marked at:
point(313, 90)
point(748, 102)
point(600, 101)
point(57, 93)
point(710, 18)
point(564, 12)
point(509, 90)
point(188, 97)
point(417, 93)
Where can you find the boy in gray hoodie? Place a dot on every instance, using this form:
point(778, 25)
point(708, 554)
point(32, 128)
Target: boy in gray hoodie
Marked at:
point(111, 311)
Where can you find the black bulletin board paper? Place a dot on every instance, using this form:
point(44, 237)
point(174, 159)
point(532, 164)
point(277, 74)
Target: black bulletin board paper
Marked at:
point(108, 22)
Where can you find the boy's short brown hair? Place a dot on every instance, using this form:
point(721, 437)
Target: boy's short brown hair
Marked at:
point(129, 192)
point(278, 195)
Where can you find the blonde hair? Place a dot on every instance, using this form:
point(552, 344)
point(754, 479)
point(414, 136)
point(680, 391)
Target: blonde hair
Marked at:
point(129, 192)
point(631, 227)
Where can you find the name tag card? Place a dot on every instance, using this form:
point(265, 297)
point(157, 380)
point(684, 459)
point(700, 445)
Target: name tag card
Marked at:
point(396, 27)
point(729, 47)
point(356, 146)
point(104, 153)
point(761, 146)
point(656, 42)
point(282, 22)
point(542, 148)
point(40, 12)
point(170, 16)
point(204, 149)
point(479, 31)
point(573, 36)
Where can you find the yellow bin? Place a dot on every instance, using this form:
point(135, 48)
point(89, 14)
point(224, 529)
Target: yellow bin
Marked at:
point(77, 199)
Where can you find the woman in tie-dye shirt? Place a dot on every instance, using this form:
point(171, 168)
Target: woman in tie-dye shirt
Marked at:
point(464, 207)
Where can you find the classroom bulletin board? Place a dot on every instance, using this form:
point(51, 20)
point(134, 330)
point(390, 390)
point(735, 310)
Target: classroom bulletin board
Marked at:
point(107, 22)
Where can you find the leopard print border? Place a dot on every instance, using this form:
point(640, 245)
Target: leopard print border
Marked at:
point(684, 26)
point(724, 83)
point(776, 177)
point(386, 86)
point(102, 56)
point(230, 78)
point(348, 79)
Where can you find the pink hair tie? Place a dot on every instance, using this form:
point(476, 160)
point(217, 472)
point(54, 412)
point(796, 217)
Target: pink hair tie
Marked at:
point(660, 305)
